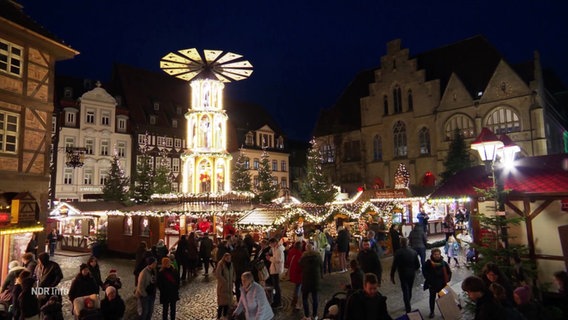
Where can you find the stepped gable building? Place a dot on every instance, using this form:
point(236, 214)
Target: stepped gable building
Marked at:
point(252, 130)
point(157, 104)
point(90, 128)
point(407, 110)
point(28, 53)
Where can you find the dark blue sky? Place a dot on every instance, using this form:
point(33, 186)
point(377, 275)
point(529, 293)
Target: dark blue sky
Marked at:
point(304, 52)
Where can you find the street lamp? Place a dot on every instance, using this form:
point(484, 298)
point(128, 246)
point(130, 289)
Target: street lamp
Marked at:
point(491, 148)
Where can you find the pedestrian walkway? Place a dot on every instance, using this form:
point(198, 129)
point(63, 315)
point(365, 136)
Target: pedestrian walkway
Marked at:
point(198, 298)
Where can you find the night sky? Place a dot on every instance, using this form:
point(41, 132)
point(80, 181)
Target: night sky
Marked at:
point(304, 52)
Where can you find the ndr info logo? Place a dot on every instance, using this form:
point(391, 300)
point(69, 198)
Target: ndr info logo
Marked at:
point(49, 291)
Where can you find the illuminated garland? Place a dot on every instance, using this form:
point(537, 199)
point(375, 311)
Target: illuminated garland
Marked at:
point(450, 200)
point(159, 213)
point(14, 230)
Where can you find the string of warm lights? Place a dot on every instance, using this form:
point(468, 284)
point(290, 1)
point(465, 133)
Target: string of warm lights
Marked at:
point(164, 213)
point(15, 230)
point(449, 200)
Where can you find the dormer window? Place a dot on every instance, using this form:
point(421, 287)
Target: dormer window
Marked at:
point(249, 139)
point(152, 120)
point(179, 111)
point(280, 143)
point(68, 92)
point(174, 123)
point(156, 106)
point(118, 100)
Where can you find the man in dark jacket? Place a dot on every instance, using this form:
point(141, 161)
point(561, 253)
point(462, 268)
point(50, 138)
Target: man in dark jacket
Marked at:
point(486, 307)
point(205, 248)
point(417, 240)
point(48, 274)
point(83, 284)
point(368, 303)
point(369, 260)
point(311, 265)
point(406, 263)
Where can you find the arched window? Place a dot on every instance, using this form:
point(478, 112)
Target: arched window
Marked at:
point(463, 123)
point(503, 120)
point(144, 227)
point(397, 99)
point(410, 101)
point(399, 136)
point(127, 225)
point(424, 139)
point(385, 105)
point(377, 148)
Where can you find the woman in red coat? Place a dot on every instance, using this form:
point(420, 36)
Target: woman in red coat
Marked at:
point(293, 260)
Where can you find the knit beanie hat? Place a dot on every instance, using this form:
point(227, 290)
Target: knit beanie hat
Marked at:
point(524, 294)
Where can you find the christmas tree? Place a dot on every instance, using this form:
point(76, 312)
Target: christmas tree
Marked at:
point(162, 181)
point(458, 156)
point(267, 188)
point(241, 178)
point(116, 186)
point(143, 180)
point(316, 187)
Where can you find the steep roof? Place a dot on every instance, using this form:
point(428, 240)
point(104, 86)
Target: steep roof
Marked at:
point(345, 114)
point(140, 89)
point(13, 12)
point(473, 60)
point(543, 175)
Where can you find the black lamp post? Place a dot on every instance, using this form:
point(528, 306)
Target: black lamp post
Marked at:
point(496, 153)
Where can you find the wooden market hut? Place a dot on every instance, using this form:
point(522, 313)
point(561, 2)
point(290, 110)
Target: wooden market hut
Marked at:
point(538, 192)
point(168, 219)
point(80, 222)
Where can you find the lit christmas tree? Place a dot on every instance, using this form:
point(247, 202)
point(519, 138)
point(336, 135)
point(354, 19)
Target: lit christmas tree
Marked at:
point(162, 181)
point(116, 186)
point(143, 179)
point(267, 188)
point(241, 178)
point(316, 187)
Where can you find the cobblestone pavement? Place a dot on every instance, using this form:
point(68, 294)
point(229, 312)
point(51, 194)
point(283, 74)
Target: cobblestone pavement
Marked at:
point(199, 300)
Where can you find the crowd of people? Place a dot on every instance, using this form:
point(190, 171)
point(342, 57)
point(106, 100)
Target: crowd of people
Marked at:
point(248, 273)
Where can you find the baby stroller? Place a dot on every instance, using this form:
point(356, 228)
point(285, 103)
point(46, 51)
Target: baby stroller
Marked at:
point(335, 307)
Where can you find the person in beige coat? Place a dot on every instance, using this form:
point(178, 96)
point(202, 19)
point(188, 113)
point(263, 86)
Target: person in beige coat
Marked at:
point(225, 274)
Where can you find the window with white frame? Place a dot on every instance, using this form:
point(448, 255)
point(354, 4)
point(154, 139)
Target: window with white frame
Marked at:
point(265, 140)
point(284, 183)
point(169, 142)
point(105, 118)
point(274, 165)
point(156, 106)
point(328, 153)
point(247, 163)
point(121, 149)
point(69, 142)
point(88, 176)
point(174, 186)
point(103, 176)
point(104, 147)
point(121, 125)
point(504, 120)
point(89, 145)
point(399, 139)
point(8, 132)
point(424, 140)
point(68, 176)
point(463, 124)
point(177, 143)
point(255, 164)
point(143, 139)
point(283, 166)
point(11, 58)
point(90, 116)
point(175, 165)
point(70, 118)
point(161, 141)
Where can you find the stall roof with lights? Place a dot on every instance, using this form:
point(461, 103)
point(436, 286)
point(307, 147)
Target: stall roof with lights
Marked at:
point(543, 175)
